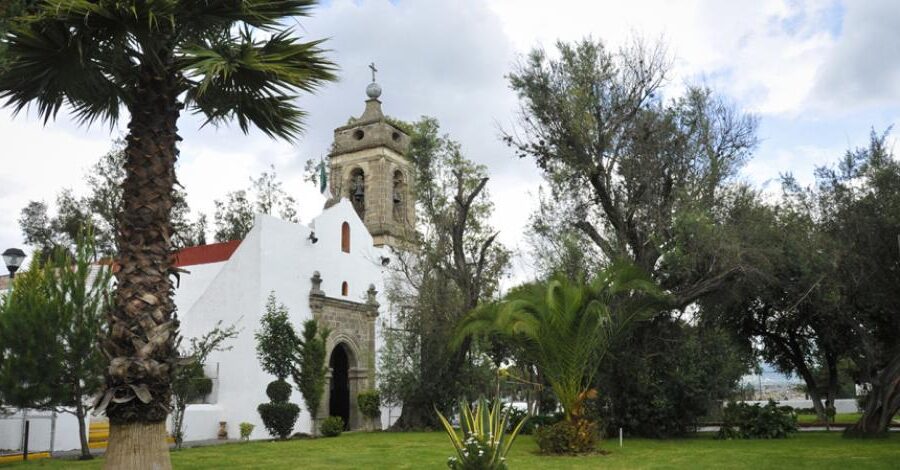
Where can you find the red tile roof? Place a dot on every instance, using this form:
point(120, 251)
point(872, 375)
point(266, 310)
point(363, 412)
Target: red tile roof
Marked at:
point(206, 254)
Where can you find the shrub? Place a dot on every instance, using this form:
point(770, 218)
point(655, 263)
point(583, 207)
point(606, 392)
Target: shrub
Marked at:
point(743, 421)
point(537, 422)
point(279, 418)
point(246, 430)
point(666, 377)
point(483, 441)
point(279, 391)
point(369, 403)
point(567, 437)
point(332, 426)
point(203, 386)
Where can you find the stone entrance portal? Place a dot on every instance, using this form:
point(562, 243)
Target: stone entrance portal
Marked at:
point(339, 389)
point(351, 350)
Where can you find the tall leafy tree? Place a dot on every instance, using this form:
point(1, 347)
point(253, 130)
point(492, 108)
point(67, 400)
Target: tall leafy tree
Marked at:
point(626, 168)
point(859, 201)
point(155, 60)
point(632, 176)
point(789, 301)
point(234, 215)
point(457, 264)
point(310, 367)
point(99, 209)
point(50, 330)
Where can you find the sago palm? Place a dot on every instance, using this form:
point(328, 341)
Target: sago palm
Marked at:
point(222, 59)
point(567, 327)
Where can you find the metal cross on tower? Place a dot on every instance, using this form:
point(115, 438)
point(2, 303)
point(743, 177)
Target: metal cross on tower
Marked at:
point(372, 67)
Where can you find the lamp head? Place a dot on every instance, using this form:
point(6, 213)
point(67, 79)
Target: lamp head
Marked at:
point(13, 258)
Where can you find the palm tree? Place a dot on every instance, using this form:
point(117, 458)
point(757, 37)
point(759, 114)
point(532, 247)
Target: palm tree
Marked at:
point(223, 59)
point(567, 327)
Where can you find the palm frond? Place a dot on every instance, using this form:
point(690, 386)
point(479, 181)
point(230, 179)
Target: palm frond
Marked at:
point(51, 65)
point(263, 14)
point(254, 82)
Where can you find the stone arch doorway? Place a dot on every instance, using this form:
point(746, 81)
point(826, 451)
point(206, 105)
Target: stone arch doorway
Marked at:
point(339, 397)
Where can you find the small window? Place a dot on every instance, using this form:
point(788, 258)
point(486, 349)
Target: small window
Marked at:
point(345, 289)
point(345, 237)
point(359, 134)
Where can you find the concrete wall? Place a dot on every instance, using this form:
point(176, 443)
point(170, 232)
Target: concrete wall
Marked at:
point(844, 405)
point(65, 438)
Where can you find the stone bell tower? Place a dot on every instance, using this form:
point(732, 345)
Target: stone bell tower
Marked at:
point(369, 167)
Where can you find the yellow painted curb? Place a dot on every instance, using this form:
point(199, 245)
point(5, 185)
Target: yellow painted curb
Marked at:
point(18, 457)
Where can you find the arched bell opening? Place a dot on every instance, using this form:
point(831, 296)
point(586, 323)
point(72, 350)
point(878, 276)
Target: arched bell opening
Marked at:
point(357, 193)
point(398, 198)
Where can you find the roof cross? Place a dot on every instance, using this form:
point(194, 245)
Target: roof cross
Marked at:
point(372, 67)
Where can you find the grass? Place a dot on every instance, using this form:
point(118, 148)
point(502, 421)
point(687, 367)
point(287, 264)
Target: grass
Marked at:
point(430, 450)
point(839, 418)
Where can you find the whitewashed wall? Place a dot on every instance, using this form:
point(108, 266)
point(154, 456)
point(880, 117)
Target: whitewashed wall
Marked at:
point(275, 256)
point(66, 436)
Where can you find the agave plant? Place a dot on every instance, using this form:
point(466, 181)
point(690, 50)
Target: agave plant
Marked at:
point(482, 441)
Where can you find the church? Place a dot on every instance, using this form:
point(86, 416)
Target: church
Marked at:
point(332, 270)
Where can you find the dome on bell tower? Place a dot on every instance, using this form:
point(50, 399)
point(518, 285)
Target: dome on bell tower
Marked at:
point(373, 91)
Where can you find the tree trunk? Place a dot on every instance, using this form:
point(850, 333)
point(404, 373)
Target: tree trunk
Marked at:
point(882, 403)
point(178, 422)
point(832, 389)
point(813, 389)
point(82, 432)
point(138, 446)
point(142, 325)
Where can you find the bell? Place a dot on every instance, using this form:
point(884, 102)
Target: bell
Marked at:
point(396, 197)
point(358, 194)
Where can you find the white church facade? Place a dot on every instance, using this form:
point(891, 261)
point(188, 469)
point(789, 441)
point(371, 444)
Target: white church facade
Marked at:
point(332, 269)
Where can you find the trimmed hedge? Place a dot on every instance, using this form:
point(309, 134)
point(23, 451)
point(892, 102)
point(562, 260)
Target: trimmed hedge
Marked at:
point(332, 426)
point(279, 418)
point(279, 391)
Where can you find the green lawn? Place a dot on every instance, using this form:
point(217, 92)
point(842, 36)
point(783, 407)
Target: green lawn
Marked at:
point(839, 418)
point(430, 450)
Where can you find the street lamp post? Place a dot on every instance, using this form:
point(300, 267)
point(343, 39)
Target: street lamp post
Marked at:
point(13, 258)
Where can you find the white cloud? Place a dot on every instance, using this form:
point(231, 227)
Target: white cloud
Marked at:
point(864, 68)
point(780, 58)
point(36, 162)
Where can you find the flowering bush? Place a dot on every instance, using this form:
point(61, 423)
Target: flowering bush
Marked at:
point(483, 440)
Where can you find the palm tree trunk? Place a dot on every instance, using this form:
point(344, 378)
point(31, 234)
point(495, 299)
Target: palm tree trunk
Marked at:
point(142, 324)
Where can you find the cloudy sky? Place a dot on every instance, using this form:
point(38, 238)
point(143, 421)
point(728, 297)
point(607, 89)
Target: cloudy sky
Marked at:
point(819, 74)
